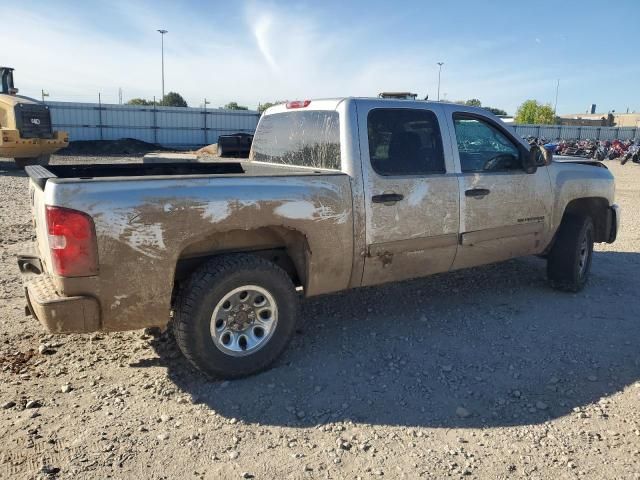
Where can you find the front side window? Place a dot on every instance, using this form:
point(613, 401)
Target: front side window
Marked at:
point(484, 148)
point(308, 138)
point(404, 142)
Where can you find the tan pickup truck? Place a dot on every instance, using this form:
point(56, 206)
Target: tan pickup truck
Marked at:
point(336, 194)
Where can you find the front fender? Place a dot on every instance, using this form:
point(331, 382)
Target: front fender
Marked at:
point(575, 181)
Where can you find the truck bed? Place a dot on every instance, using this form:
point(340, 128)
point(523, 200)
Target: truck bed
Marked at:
point(40, 174)
point(150, 219)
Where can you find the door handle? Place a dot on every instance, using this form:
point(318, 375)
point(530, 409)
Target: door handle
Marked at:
point(387, 198)
point(477, 192)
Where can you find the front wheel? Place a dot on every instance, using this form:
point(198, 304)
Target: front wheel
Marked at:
point(569, 261)
point(235, 315)
point(39, 160)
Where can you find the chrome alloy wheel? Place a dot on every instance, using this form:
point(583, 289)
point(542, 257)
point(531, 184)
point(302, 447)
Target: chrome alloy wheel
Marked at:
point(244, 320)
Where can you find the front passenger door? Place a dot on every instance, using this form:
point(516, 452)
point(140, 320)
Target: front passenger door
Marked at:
point(504, 211)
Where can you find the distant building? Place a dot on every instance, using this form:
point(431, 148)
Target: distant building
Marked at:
point(601, 119)
point(627, 120)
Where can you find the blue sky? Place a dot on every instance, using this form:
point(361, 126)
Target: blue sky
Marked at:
point(502, 52)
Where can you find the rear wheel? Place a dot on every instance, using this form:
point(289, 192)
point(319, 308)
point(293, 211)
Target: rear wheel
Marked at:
point(39, 160)
point(569, 261)
point(235, 315)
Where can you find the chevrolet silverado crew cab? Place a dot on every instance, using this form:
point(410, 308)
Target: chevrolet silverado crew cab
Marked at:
point(336, 194)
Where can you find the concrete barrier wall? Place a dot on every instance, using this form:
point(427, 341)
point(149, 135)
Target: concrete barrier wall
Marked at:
point(570, 132)
point(167, 126)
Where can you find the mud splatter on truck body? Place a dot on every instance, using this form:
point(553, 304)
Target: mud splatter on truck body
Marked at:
point(145, 229)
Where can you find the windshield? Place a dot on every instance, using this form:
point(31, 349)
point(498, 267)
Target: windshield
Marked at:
point(304, 138)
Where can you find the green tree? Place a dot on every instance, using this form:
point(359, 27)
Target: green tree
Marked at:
point(532, 111)
point(173, 99)
point(263, 106)
point(496, 111)
point(467, 102)
point(235, 106)
point(139, 101)
point(474, 102)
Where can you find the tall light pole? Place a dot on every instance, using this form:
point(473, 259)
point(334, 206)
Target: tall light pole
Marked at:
point(206, 137)
point(439, 72)
point(162, 32)
point(555, 105)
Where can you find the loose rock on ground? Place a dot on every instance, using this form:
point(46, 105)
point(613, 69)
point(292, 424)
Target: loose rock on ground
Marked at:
point(484, 373)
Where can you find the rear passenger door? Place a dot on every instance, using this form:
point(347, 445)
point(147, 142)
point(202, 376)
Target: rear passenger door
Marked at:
point(411, 192)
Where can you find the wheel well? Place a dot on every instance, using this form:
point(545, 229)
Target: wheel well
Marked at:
point(595, 207)
point(285, 247)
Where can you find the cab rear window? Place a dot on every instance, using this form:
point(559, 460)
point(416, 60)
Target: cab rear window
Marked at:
point(304, 138)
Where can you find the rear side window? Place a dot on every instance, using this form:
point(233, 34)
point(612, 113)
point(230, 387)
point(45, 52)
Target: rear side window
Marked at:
point(404, 142)
point(304, 138)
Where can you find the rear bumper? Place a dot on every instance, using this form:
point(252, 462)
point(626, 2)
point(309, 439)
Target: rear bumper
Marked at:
point(614, 223)
point(56, 313)
point(12, 146)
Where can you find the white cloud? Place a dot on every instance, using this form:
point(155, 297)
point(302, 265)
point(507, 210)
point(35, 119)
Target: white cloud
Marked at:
point(261, 33)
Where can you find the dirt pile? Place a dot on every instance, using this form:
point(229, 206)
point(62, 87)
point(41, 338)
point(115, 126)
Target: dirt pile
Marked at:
point(122, 147)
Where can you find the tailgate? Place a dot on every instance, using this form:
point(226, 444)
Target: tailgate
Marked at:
point(37, 198)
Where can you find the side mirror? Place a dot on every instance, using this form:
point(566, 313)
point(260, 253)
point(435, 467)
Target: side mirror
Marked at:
point(538, 157)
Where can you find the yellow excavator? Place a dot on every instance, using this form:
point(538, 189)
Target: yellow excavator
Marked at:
point(26, 134)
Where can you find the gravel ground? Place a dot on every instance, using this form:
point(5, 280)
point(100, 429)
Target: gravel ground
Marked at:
point(483, 373)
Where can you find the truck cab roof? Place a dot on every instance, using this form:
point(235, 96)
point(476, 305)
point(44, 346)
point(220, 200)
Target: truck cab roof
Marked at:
point(333, 103)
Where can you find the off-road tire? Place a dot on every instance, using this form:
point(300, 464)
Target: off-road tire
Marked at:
point(205, 288)
point(40, 160)
point(567, 267)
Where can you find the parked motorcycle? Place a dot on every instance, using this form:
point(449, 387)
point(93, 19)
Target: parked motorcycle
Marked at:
point(633, 154)
point(602, 151)
point(618, 149)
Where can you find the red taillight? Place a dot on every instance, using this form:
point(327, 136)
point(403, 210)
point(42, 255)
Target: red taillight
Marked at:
point(298, 104)
point(72, 240)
